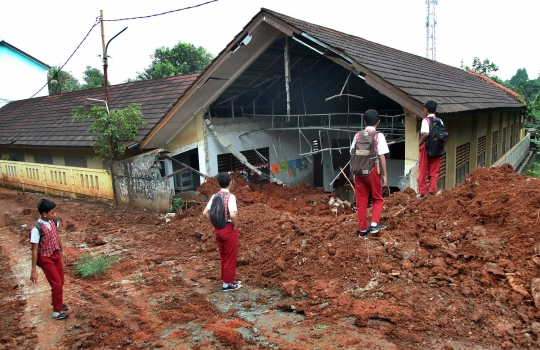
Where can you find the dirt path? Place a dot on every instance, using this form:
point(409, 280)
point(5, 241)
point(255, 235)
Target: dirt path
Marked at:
point(452, 271)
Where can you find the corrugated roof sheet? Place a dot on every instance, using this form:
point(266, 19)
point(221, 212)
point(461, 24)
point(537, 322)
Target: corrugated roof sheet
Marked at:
point(454, 89)
point(47, 121)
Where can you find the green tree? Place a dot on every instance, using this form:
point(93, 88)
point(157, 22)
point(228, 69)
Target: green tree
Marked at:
point(111, 130)
point(93, 78)
point(485, 67)
point(61, 81)
point(520, 77)
point(183, 58)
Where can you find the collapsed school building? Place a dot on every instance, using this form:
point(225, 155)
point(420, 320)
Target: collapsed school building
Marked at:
point(283, 100)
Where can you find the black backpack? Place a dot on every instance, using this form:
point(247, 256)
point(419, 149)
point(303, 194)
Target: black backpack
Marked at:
point(217, 210)
point(364, 154)
point(438, 135)
point(40, 229)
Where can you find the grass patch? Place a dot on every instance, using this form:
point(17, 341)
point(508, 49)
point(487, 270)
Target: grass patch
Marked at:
point(138, 279)
point(320, 327)
point(88, 265)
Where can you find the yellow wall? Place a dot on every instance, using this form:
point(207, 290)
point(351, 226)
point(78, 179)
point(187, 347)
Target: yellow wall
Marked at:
point(186, 136)
point(57, 155)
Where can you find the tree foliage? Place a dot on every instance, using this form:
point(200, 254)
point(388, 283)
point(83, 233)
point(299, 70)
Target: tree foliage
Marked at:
point(183, 58)
point(485, 67)
point(518, 78)
point(61, 81)
point(111, 130)
point(93, 78)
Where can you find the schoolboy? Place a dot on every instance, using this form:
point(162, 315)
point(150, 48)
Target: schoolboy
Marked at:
point(47, 253)
point(227, 237)
point(364, 185)
point(428, 166)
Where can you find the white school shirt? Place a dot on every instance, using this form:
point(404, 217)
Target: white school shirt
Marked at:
point(382, 146)
point(424, 129)
point(232, 202)
point(34, 234)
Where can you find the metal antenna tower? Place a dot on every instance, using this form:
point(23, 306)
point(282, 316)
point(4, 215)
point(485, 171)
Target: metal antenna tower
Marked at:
point(431, 24)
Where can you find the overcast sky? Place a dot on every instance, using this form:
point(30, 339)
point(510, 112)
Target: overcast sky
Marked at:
point(505, 31)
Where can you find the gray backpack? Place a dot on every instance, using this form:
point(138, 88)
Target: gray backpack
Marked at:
point(364, 155)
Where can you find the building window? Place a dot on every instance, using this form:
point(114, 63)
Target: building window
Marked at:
point(481, 152)
point(511, 135)
point(441, 182)
point(16, 156)
point(494, 144)
point(78, 161)
point(463, 154)
point(504, 141)
point(43, 158)
point(228, 162)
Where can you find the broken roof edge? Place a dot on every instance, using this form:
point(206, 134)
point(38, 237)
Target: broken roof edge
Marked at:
point(510, 92)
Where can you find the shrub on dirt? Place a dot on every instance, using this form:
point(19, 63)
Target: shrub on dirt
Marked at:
point(88, 265)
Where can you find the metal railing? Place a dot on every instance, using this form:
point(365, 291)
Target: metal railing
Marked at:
point(56, 179)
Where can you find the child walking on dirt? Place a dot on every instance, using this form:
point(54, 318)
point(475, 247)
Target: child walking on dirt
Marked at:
point(227, 237)
point(47, 253)
point(427, 166)
point(371, 184)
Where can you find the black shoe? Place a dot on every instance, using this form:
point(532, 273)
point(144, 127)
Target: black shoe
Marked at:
point(59, 315)
point(420, 196)
point(231, 286)
point(376, 229)
point(362, 233)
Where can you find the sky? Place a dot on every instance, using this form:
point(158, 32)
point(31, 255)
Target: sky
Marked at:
point(505, 32)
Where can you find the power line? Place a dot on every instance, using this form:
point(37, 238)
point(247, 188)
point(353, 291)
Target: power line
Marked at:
point(159, 14)
point(60, 69)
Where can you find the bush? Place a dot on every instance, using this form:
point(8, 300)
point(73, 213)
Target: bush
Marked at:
point(89, 266)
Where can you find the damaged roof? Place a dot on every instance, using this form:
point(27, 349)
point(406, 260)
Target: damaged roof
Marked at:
point(422, 79)
point(47, 121)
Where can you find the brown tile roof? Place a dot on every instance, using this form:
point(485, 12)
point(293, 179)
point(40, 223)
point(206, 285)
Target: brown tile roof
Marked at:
point(512, 93)
point(47, 121)
point(422, 79)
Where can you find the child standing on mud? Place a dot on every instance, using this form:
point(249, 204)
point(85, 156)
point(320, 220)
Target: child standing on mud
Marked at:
point(47, 253)
point(227, 237)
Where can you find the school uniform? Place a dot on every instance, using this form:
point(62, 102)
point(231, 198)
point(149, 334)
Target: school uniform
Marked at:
point(227, 238)
point(427, 166)
point(50, 260)
point(364, 185)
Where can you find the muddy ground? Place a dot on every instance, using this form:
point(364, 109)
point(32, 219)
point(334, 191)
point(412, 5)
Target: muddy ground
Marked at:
point(452, 271)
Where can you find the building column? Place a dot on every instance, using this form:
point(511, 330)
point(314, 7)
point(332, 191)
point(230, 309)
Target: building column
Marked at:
point(169, 170)
point(412, 152)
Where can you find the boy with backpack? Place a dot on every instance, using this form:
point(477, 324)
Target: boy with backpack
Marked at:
point(222, 212)
point(47, 253)
point(432, 142)
point(368, 164)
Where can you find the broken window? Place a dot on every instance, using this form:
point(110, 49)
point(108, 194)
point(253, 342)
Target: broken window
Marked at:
point(78, 161)
point(463, 153)
point(494, 144)
point(481, 152)
point(43, 158)
point(228, 162)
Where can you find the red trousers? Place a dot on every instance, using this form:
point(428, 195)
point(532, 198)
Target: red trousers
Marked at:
point(363, 187)
point(428, 167)
point(227, 240)
point(54, 272)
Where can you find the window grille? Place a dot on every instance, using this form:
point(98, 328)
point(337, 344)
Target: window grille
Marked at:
point(43, 158)
point(78, 161)
point(228, 162)
point(504, 141)
point(494, 144)
point(463, 155)
point(442, 173)
point(17, 156)
point(481, 152)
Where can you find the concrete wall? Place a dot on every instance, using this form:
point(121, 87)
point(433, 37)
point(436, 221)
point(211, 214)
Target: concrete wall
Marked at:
point(139, 185)
point(57, 155)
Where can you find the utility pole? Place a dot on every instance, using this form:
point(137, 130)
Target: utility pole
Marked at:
point(104, 58)
point(431, 25)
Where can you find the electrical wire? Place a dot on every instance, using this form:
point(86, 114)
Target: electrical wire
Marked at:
point(159, 14)
point(60, 69)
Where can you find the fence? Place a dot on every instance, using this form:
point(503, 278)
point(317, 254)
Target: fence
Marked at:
point(517, 154)
point(55, 179)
